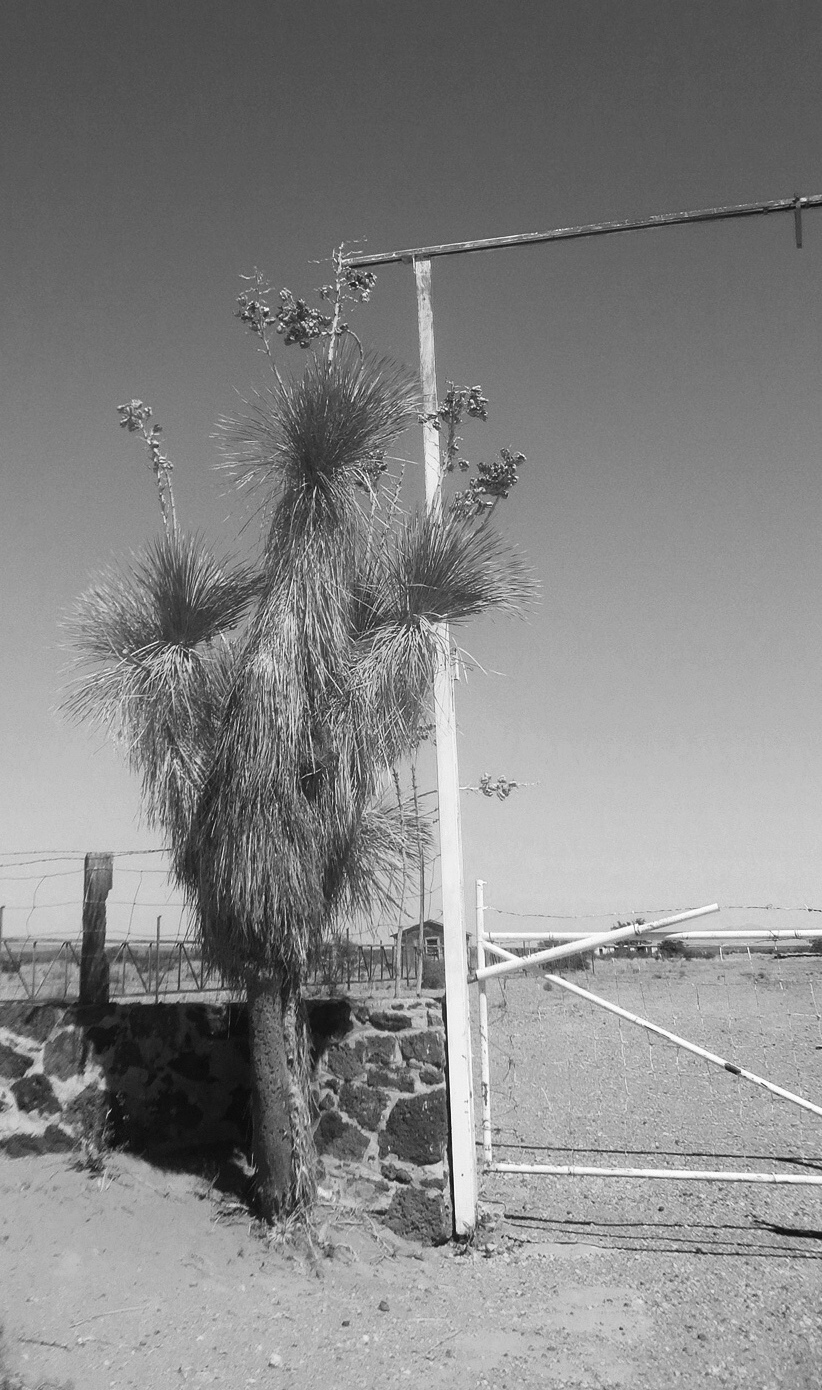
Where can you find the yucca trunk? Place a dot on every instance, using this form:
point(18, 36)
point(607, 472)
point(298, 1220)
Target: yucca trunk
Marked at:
point(282, 1143)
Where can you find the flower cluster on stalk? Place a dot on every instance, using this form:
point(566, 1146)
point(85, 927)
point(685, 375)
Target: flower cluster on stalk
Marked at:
point(493, 480)
point(298, 321)
point(134, 417)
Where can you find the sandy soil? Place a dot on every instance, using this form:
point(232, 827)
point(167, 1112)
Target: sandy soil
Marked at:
point(142, 1277)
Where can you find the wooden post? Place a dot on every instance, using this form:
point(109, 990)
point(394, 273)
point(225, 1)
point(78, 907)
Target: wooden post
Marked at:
point(460, 1083)
point(421, 857)
point(157, 965)
point(421, 933)
point(98, 876)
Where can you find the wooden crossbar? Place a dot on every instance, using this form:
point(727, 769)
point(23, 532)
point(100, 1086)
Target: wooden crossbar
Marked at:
point(796, 205)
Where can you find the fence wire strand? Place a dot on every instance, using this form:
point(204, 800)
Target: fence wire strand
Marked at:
point(41, 932)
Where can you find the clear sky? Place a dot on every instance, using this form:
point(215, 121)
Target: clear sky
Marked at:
point(663, 699)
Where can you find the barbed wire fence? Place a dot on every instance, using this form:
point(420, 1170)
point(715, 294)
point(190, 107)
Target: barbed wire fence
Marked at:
point(151, 945)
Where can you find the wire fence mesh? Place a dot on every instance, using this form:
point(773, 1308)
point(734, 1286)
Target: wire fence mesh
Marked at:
point(576, 1085)
point(151, 944)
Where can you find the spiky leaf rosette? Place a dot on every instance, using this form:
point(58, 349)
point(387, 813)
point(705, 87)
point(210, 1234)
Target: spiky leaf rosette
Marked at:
point(286, 791)
point(437, 570)
point(361, 879)
point(304, 445)
point(149, 644)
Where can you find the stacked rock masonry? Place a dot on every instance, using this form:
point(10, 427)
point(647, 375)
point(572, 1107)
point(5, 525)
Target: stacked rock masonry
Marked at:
point(166, 1077)
point(381, 1096)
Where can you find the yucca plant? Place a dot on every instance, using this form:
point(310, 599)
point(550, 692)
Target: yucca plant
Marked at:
point(266, 710)
point(153, 657)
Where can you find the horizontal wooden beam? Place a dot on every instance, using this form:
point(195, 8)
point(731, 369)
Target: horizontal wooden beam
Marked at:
point(796, 205)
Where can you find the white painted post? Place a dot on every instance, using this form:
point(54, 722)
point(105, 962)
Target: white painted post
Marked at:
point(157, 964)
point(460, 1083)
point(485, 1060)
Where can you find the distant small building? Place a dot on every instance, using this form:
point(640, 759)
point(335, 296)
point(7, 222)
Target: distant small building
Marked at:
point(433, 956)
point(433, 944)
point(629, 948)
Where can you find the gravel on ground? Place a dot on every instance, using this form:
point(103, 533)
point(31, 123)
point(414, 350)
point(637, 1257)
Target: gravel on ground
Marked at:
point(144, 1278)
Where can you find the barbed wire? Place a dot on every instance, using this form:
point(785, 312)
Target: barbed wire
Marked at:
point(30, 878)
point(27, 858)
point(768, 907)
point(132, 907)
point(39, 907)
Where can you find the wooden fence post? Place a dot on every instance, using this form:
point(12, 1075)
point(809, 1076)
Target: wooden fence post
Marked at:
point(97, 881)
point(156, 965)
point(458, 1029)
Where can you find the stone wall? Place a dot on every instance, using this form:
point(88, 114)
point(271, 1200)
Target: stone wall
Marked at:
point(382, 1132)
point(159, 1077)
point(166, 1077)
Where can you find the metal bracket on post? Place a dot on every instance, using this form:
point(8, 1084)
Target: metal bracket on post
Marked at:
point(458, 1027)
point(797, 222)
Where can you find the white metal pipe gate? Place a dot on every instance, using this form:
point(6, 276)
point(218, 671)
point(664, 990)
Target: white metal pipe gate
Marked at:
point(460, 1101)
point(575, 944)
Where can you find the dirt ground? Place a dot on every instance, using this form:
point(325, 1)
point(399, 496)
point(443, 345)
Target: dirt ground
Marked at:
point(143, 1277)
point(594, 1088)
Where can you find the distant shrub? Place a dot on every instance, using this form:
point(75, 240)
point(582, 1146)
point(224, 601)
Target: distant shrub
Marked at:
point(433, 973)
point(579, 962)
point(673, 950)
point(631, 944)
point(631, 922)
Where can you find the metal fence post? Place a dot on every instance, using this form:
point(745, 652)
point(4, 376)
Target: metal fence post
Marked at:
point(487, 1141)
